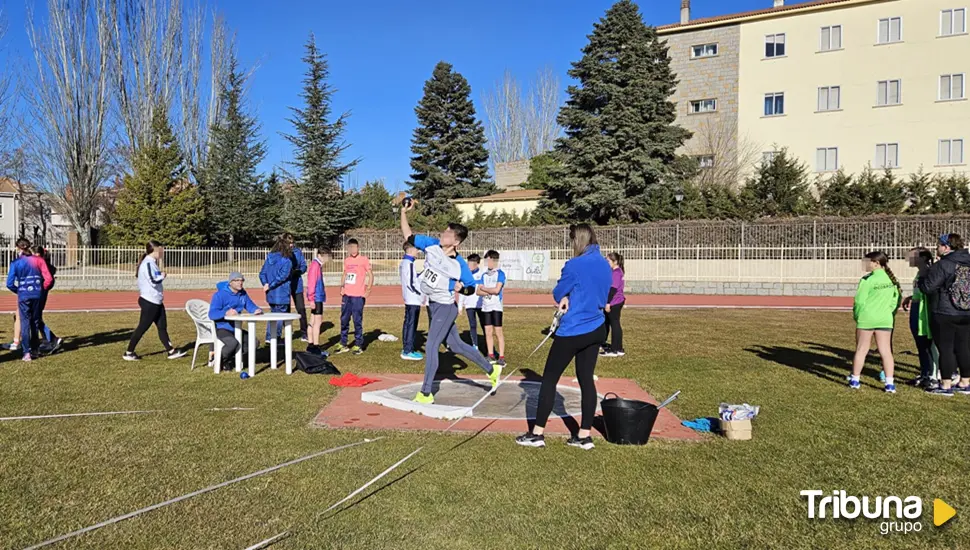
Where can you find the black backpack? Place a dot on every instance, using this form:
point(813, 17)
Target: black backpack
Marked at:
point(312, 363)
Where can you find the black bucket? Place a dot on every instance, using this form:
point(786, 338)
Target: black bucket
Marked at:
point(628, 421)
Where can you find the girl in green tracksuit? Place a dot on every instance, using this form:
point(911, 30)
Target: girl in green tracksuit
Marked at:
point(918, 306)
point(874, 311)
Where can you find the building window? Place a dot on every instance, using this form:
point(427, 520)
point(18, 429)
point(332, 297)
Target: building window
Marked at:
point(890, 30)
point(953, 22)
point(768, 156)
point(1, 210)
point(829, 98)
point(952, 87)
point(951, 152)
point(705, 161)
point(703, 106)
point(826, 159)
point(703, 50)
point(775, 104)
point(889, 92)
point(831, 38)
point(775, 45)
point(887, 155)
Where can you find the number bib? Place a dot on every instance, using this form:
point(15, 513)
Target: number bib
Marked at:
point(351, 279)
point(434, 279)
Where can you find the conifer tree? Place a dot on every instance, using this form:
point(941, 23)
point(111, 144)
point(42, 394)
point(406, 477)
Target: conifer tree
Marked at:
point(620, 135)
point(449, 157)
point(157, 200)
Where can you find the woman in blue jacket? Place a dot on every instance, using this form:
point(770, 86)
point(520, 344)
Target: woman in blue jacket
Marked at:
point(276, 277)
point(581, 294)
point(298, 270)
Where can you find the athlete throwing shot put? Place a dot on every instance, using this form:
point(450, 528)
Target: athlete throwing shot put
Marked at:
point(445, 274)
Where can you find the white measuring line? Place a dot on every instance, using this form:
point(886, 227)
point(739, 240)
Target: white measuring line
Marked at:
point(197, 493)
point(280, 536)
point(107, 413)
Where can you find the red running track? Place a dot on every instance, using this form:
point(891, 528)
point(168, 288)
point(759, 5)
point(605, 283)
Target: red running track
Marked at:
point(391, 296)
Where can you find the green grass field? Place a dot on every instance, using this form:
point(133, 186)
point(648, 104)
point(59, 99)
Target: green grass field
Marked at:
point(813, 433)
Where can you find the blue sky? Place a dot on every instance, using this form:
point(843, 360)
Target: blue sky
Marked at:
point(382, 51)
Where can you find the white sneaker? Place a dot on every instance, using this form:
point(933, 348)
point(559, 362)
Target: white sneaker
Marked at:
point(177, 354)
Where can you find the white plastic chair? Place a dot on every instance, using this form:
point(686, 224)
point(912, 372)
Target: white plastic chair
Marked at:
point(205, 332)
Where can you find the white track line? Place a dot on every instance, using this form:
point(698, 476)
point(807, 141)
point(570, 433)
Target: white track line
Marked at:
point(371, 482)
point(38, 417)
point(197, 493)
point(107, 413)
point(269, 541)
point(275, 538)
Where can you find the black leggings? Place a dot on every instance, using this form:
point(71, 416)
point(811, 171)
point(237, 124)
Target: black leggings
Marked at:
point(952, 337)
point(151, 314)
point(613, 323)
point(585, 348)
point(301, 309)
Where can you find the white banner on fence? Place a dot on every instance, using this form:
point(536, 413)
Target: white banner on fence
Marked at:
point(524, 265)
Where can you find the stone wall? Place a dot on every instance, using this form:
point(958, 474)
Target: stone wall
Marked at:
point(707, 78)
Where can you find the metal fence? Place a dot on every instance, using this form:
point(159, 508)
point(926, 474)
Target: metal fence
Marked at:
point(789, 251)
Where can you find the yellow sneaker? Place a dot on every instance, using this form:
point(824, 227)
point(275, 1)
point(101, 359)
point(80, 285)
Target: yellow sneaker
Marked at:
point(495, 376)
point(424, 399)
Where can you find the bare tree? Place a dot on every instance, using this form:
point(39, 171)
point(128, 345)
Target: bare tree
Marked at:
point(69, 105)
point(505, 121)
point(146, 52)
point(198, 117)
point(7, 97)
point(725, 156)
point(158, 48)
point(521, 125)
point(542, 128)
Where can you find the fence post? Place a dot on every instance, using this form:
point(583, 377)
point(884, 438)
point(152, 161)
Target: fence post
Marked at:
point(658, 261)
point(84, 263)
point(814, 239)
point(825, 263)
point(118, 271)
point(697, 264)
point(515, 238)
point(782, 277)
point(212, 261)
point(740, 259)
point(677, 240)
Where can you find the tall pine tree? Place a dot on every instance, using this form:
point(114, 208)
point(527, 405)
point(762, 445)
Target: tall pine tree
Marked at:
point(449, 157)
point(157, 201)
point(318, 210)
point(233, 188)
point(620, 135)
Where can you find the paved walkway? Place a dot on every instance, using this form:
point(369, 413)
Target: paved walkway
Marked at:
point(390, 296)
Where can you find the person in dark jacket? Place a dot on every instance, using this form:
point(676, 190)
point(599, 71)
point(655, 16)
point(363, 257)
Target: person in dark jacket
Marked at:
point(28, 279)
point(951, 323)
point(51, 343)
point(230, 300)
point(276, 276)
point(581, 293)
point(299, 268)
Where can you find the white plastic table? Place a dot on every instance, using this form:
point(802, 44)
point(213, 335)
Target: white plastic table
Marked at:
point(251, 320)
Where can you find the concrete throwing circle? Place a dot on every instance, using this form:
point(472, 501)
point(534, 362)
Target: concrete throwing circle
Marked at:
point(452, 399)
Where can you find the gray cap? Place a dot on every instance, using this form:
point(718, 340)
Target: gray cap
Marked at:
point(236, 275)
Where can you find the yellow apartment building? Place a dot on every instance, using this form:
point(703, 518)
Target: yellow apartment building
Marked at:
point(840, 83)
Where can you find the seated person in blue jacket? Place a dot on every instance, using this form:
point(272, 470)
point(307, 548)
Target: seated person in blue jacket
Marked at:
point(229, 301)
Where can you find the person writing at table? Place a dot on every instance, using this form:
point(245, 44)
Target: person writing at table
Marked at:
point(229, 301)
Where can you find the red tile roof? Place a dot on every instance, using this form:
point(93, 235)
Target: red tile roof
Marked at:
point(517, 195)
point(744, 14)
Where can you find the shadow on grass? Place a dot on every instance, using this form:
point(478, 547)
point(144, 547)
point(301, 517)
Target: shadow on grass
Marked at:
point(824, 361)
point(99, 339)
point(369, 338)
point(434, 458)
